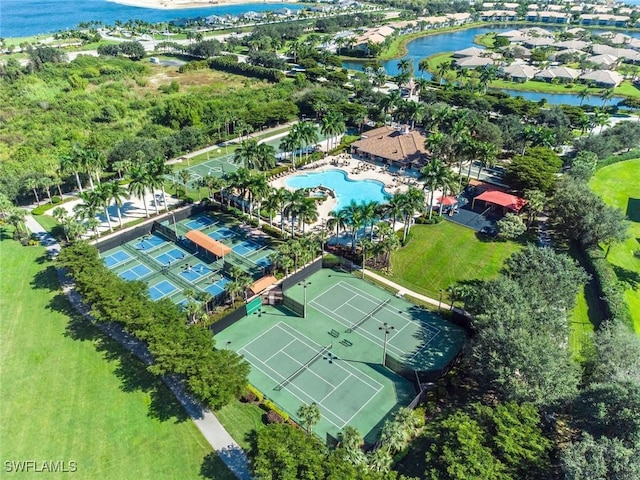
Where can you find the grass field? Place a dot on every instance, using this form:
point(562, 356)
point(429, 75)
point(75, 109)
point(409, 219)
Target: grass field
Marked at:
point(616, 184)
point(240, 420)
point(440, 255)
point(70, 393)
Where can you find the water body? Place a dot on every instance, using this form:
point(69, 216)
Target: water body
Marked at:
point(345, 189)
point(23, 18)
point(451, 41)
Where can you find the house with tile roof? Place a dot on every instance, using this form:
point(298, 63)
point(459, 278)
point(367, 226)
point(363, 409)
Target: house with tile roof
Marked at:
point(402, 147)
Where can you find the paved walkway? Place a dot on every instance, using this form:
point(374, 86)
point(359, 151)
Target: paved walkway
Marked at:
point(404, 291)
point(225, 446)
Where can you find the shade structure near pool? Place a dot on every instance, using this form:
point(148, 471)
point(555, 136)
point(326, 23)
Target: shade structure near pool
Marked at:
point(208, 243)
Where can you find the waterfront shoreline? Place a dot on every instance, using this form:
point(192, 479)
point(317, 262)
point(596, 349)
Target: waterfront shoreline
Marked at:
point(186, 4)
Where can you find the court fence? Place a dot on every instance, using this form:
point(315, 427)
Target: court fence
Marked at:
point(229, 320)
point(293, 305)
point(165, 231)
point(304, 272)
point(131, 233)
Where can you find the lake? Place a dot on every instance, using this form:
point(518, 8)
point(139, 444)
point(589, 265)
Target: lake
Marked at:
point(451, 41)
point(24, 18)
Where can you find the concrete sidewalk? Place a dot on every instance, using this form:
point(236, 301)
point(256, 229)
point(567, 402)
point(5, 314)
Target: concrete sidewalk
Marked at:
point(224, 445)
point(405, 291)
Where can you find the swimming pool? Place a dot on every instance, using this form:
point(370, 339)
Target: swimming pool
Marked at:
point(344, 188)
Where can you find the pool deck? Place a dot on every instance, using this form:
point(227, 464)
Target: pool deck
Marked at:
point(355, 169)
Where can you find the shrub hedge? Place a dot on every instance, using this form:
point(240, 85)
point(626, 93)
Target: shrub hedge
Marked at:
point(269, 406)
point(611, 288)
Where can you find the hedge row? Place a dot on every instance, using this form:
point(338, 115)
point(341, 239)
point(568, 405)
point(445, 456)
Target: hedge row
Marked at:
point(630, 155)
point(610, 287)
point(229, 66)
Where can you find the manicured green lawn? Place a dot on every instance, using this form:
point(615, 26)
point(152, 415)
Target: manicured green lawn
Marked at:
point(240, 419)
point(70, 393)
point(616, 184)
point(46, 221)
point(440, 255)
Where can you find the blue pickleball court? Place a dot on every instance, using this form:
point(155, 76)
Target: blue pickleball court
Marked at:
point(195, 272)
point(161, 289)
point(222, 233)
point(245, 248)
point(198, 223)
point(116, 258)
point(171, 256)
point(217, 288)
point(136, 272)
point(149, 242)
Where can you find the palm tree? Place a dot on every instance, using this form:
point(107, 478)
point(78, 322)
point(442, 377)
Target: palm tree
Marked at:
point(46, 183)
point(308, 212)
point(370, 215)
point(212, 184)
point(405, 66)
point(379, 460)
point(412, 202)
point(606, 95)
point(355, 220)
point(294, 206)
point(246, 154)
point(139, 184)
point(441, 70)
point(393, 436)
point(159, 171)
point(69, 164)
point(393, 208)
point(583, 94)
point(265, 157)
point(87, 210)
point(389, 244)
point(258, 188)
point(332, 125)
point(309, 416)
point(309, 135)
point(271, 205)
point(281, 199)
point(32, 184)
point(103, 193)
point(233, 289)
point(338, 220)
point(16, 218)
point(117, 193)
point(351, 442)
point(434, 175)
point(239, 181)
point(487, 154)
point(367, 246)
point(290, 143)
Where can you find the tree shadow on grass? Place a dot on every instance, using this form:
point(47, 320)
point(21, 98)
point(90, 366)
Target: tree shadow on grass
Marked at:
point(131, 371)
point(629, 277)
point(47, 278)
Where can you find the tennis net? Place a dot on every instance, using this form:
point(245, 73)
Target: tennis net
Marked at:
point(367, 316)
point(303, 367)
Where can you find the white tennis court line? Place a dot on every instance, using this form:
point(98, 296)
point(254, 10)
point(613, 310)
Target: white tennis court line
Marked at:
point(358, 372)
point(306, 400)
point(267, 359)
point(388, 310)
point(404, 317)
point(346, 323)
point(308, 369)
point(335, 388)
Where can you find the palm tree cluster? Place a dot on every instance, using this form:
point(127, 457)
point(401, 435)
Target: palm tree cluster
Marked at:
point(300, 137)
point(332, 126)
point(254, 155)
point(291, 255)
point(13, 215)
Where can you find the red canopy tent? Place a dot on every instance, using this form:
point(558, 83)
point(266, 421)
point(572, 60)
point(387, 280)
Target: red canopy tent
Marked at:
point(505, 200)
point(447, 201)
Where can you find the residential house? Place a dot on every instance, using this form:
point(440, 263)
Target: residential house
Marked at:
point(519, 73)
point(603, 78)
point(469, 52)
point(474, 62)
point(603, 61)
point(564, 74)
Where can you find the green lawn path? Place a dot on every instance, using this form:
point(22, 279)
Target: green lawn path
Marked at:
point(616, 184)
point(440, 255)
point(70, 393)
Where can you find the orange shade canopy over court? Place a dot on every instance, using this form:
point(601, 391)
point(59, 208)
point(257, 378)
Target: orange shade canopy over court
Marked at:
point(208, 243)
point(263, 283)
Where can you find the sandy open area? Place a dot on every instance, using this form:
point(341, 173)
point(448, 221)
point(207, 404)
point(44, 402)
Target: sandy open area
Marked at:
point(179, 4)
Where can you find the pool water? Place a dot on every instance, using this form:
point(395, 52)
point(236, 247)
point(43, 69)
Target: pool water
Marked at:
point(344, 188)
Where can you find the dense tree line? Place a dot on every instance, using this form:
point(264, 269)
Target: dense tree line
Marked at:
point(215, 376)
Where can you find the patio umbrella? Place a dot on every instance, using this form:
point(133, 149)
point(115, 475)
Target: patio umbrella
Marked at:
point(447, 201)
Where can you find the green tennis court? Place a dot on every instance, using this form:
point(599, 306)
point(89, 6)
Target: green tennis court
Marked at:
point(417, 337)
point(216, 167)
point(292, 364)
point(311, 373)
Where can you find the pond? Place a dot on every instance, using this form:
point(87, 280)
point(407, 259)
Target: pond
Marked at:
point(451, 41)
